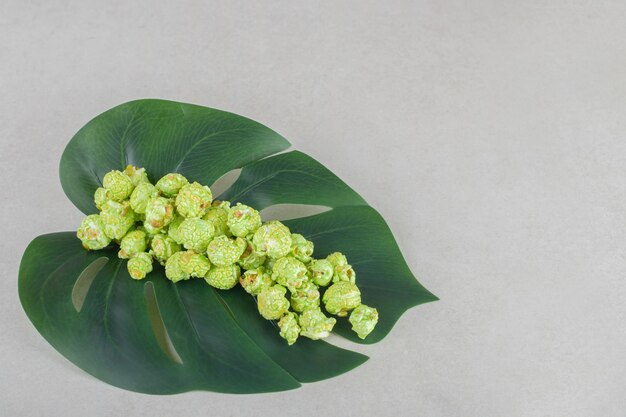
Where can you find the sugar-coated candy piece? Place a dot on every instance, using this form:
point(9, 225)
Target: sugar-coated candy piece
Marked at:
point(341, 297)
point(118, 184)
point(223, 277)
point(193, 200)
point(243, 220)
point(139, 265)
point(91, 233)
point(272, 303)
point(169, 185)
point(363, 320)
point(314, 324)
point(273, 238)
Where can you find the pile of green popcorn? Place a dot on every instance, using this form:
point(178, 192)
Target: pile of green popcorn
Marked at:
point(180, 226)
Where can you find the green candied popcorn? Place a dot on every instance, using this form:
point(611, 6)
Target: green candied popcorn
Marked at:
point(289, 272)
point(152, 231)
point(224, 251)
point(159, 212)
point(251, 259)
point(170, 184)
point(119, 184)
point(337, 259)
point(117, 218)
point(272, 303)
point(273, 238)
point(194, 264)
point(301, 249)
point(344, 273)
point(139, 266)
point(341, 297)
point(243, 220)
point(162, 247)
point(91, 233)
point(101, 196)
point(223, 277)
point(137, 175)
point(193, 200)
point(289, 329)
point(255, 280)
point(172, 230)
point(132, 244)
point(363, 320)
point(174, 270)
point(305, 297)
point(341, 270)
point(321, 272)
point(141, 195)
point(314, 324)
point(218, 215)
point(195, 234)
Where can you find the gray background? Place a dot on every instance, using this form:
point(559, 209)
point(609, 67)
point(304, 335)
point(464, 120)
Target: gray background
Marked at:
point(489, 134)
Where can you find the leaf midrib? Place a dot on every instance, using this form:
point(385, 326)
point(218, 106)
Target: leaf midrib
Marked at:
point(196, 336)
point(210, 135)
point(123, 139)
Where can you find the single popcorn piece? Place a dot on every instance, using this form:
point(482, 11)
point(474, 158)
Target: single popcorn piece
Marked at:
point(139, 266)
point(91, 233)
point(341, 297)
point(150, 230)
point(363, 320)
point(289, 329)
point(289, 272)
point(301, 249)
point(194, 264)
point(218, 215)
point(273, 239)
point(250, 258)
point(305, 297)
point(314, 324)
point(243, 220)
point(118, 184)
point(337, 259)
point(159, 212)
point(272, 303)
point(321, 272)
point(136, 175)
point(344, 273)
point(141, 195)
point(101, 196)
point(195, 234)
point(254, 281)
point(224, 251)
point(341, 270)
point(132, 244)
point(174, 269)
point(170, 184)
point(223, 277)
point(162, 247)
point(193, 200)
point(172, 229)
point(117, 219)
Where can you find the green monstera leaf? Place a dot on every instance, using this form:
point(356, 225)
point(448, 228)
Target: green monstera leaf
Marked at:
point(157, 337)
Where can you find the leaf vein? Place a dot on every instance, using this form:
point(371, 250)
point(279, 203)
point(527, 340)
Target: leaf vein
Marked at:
point(210, 135)
point(123, 139)
point(196, 336)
